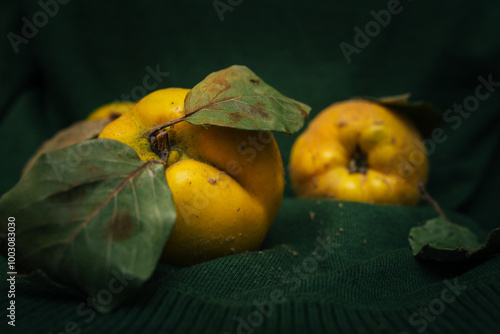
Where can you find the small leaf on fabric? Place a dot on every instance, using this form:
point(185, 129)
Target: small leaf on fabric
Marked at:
point(441, 240)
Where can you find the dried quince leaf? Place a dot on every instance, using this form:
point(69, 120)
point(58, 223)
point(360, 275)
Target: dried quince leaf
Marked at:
point(441, 240)
point(422, 114)
point(77, 132)
point(236, 97)
point(92, 216)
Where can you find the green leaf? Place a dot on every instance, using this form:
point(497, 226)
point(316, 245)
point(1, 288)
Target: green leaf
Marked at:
point(93, 217)
point(422, 114)
point(441, 240)
point(236, 97)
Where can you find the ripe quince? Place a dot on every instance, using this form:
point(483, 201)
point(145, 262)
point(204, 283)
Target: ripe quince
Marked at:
point(227, 183)
point(113, 110)
point(359, 150)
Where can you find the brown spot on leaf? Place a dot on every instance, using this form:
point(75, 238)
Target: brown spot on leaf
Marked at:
point(235, 117)
point(119, 228)
point(73, 196)
point(216, 84)
point(254, 81)
point(302, 111)
point(221, 81)
point(258, 109)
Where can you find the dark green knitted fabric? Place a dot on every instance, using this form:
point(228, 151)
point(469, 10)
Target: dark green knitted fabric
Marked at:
point(326, 266)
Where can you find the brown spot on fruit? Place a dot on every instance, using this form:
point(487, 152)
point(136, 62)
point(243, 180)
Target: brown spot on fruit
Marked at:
point(113, 116)
point(254, 81)
point(119, 228)
point(213, 180)
point(341, 124)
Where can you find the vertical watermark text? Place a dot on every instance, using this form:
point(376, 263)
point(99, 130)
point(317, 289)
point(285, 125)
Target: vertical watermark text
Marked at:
point(11, 270)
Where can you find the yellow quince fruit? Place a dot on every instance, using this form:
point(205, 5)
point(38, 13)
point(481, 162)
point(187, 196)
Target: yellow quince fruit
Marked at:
point(359, 150)
point(227, 183)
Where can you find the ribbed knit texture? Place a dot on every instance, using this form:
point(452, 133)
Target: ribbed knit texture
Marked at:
point(369, 282)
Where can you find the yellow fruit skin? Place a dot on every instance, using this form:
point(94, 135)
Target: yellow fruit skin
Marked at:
point(217, 215)
point(227, 183)
point(396, 159)
point(111, 109)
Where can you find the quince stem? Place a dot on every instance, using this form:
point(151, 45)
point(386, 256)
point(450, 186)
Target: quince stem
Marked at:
point(180, 119)
point(157, 128)
point(160, 144)
point(431, 201)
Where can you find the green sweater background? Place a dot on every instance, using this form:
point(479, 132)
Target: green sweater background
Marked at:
point(88, 53)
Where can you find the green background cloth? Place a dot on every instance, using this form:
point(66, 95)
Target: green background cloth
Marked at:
point(92, 52)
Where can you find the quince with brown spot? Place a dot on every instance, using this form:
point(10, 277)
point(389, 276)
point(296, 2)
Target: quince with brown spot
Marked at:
point(225, 200)
point(359, 150)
